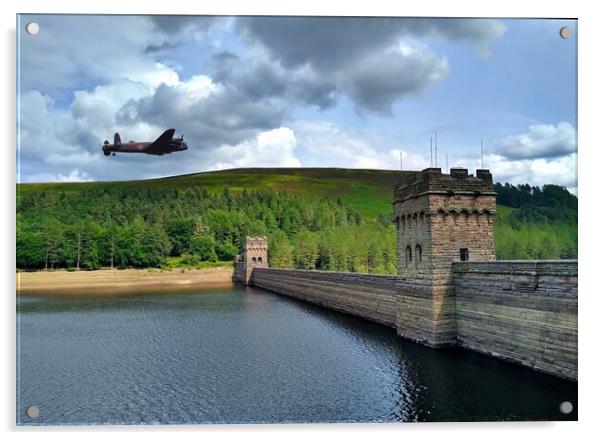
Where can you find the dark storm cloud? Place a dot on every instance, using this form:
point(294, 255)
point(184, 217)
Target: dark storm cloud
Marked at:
point(325, 42)
point(321, 41)
point(315, 60)
point(175, 24)
point(165, 46)
point(223, 58)
point(176, 28)
point(227, 116)
point(376, 82)
point(253, 79)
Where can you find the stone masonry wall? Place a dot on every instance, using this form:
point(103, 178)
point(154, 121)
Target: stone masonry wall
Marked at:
point(418, 309)
point(239, 272)
point(373, 297)
point(521, 311)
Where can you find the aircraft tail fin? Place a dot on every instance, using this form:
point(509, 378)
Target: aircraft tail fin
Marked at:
point(117, 139)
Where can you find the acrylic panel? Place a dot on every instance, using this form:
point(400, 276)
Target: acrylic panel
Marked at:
point(271, 219)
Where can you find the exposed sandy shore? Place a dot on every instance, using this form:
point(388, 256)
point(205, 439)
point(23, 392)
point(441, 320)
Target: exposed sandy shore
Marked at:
point(120, 281)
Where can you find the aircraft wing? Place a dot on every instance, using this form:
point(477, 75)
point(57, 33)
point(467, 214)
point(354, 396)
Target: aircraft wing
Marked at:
point(161, 144)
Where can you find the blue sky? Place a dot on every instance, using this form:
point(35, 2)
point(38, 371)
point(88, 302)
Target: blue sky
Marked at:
point(276, 91)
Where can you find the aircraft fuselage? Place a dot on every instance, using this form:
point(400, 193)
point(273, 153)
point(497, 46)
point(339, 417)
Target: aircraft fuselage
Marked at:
point(164, 144)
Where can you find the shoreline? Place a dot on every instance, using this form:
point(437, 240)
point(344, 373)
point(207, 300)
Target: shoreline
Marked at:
point(110, 281)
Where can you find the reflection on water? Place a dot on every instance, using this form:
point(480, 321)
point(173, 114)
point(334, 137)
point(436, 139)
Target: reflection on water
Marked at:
point(235, 355)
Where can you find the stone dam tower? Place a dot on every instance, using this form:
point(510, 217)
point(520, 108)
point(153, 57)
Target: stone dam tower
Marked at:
point(442, 218)
point(255, 255)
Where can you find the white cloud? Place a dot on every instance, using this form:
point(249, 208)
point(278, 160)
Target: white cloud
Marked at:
point(559, 171)
point(273, 148)
point(74, 176)
point(73, 51)
point(540, 141)
point(337, 146)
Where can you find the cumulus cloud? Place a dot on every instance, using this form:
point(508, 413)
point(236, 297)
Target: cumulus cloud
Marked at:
point(370, 60)
point(379, 80)
point(272, 148)
point(559, 170)
point(339, 146)
point(55, 62)
point(179, 24)
point(212, 115)
point(540, 141)
point(74, 176)
point(327, 42)
point(373, 83)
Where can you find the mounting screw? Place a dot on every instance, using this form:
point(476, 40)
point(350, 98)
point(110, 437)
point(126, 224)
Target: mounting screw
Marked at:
point(33, 412)
point(566, 407)
point(566, 32)
point(32, 28)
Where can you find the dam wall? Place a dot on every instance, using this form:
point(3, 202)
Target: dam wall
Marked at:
point(239, 273)
point(521, 311)
point(373, 297)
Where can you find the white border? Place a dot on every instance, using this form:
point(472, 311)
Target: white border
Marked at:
point(589, 233)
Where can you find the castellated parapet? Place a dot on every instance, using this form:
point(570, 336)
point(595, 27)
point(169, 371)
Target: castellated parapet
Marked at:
point(442, 218)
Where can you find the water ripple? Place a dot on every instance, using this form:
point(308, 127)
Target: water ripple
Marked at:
point(236, 356)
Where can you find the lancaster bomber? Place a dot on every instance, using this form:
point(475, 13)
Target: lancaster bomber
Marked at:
point(164, 144)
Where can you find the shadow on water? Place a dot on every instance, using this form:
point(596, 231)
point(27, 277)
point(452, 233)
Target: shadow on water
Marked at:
point(453, 384)
point(234, 354)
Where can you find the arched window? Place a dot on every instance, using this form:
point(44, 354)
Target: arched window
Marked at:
point(408, 255)
point(259, 259)
point(418, 254)
point(254, 260)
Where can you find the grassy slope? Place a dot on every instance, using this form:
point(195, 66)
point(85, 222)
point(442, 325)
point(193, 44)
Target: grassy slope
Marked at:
point(369, 191)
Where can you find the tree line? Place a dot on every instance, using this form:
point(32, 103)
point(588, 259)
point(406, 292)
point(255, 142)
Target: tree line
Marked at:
point(108, 226)
point(552, 196)
point(542, 225)
point(113, 227)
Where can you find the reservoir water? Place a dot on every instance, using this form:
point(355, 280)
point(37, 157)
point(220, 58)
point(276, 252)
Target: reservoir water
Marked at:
point(243, 355)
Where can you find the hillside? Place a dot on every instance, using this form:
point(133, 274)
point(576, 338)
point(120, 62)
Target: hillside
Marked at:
point(369, 191)
point(325, 218)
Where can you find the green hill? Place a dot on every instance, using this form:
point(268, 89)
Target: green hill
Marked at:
point(325, 218)
point(370, 191)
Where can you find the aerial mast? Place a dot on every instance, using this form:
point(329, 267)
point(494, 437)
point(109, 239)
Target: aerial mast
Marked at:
point(401, 162)
point(431, 151)
point(435, 149)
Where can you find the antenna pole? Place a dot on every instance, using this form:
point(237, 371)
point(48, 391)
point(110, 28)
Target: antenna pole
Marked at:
point(435, 149)
point(431, 151)
point(446, 164)
point(482, 167)
point(401, 161)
